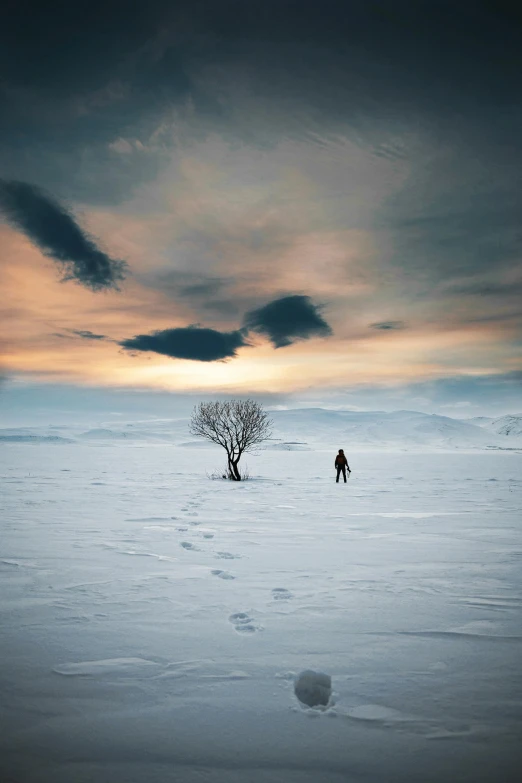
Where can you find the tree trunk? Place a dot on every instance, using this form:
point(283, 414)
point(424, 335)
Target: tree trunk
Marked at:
point(233, 470)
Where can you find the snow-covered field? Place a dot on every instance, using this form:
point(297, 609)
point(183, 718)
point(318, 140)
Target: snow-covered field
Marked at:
point(153, 621)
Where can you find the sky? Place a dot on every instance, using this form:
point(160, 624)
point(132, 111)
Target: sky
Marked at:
point(309, 203)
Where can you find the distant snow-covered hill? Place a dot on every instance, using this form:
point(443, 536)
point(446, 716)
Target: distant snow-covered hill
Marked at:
point(376, 428)
point(510, 425)
point(301, 429)
point(150, 431)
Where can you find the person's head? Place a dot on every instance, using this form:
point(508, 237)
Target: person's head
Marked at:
point(341, 451)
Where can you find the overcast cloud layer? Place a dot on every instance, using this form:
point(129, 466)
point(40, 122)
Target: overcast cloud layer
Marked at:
point(362, 155)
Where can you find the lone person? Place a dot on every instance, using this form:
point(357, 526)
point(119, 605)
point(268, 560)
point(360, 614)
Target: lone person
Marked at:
point(341, 464)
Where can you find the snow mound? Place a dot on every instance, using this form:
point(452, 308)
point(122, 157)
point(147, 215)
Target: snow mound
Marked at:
point(104, 434)
point(313, 689)
point(34, 439)
point(288, 446)
point(375, 712)
point(196, 444)
point(119, 666)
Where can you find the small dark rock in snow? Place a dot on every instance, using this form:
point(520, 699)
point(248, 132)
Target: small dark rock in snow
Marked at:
point(313, 688)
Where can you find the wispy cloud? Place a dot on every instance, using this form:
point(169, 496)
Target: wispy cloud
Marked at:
point(53, 229)
point(388, 325)
point(87, 335)
point(508, 289)
point(84, 334)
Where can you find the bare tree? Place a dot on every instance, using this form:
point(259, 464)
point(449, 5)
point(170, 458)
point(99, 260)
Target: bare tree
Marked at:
point(236, 425)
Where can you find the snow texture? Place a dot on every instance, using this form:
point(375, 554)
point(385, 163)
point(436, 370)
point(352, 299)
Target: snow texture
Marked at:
point(155, 622)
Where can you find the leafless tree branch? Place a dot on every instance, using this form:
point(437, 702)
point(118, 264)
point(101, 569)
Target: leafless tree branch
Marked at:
point(236, 425)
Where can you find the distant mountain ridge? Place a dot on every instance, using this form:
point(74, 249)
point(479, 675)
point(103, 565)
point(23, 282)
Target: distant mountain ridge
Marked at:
point(302, 429)
point(374, 428)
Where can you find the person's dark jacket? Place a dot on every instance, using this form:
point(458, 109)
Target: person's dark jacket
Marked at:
point(341, 461)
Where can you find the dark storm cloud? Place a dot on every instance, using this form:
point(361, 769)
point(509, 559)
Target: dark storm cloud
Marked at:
point(77, 76)
point(191, 342)
point(288, 319)
point(284, 321)
point(55, 232)
point(388, 325)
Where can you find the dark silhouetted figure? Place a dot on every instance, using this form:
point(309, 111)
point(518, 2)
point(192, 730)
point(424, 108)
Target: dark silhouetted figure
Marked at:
point(341, 465)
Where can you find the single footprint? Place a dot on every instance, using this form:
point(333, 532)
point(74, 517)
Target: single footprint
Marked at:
point(227, 556)
point(281, 594)
point(243, 623)
point(181, 529)
point(222, 574)
point(208, 535)
point(188, 545)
